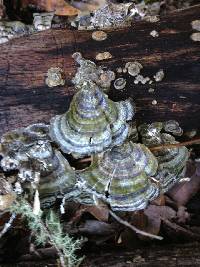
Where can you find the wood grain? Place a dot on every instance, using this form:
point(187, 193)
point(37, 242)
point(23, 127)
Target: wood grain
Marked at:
point(182, 255)
point(24, 62)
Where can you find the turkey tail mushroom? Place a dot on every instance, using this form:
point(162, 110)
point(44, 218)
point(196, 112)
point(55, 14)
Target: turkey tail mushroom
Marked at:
point(121, 175)
point(171, 161)
point(92, 124)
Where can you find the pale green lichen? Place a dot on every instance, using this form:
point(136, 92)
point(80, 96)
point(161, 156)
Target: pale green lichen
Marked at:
point(49, 230)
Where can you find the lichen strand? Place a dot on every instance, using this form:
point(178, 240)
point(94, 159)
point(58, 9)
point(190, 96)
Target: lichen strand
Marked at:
point(159, 76)
point(172, 161)
point(121, 177)
point(14, 29)
point(92, 124)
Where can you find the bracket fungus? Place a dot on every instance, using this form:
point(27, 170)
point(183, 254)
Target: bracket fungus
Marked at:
point(89, 71)
point(172, 161)
point(15, 143)
point(55, 77)
point(99, 36)
point(103, 56)
point(109, 15)
point(42, 21)
point(13, 29)
point(159, 76)
point(92, 124)
point(39, 165)
point(56, 177)
point(172, 127)
point(120, 83)
point(121, 175)
point(133, 68)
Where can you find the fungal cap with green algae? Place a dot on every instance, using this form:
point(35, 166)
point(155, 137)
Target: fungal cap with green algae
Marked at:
point(171, 161)
point(92, 124)
point(14, 144)
point(39, 164)
point(121, 176)
point(56, 175)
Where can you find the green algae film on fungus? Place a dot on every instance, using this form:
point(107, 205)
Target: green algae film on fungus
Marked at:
point(121, 172)
point(121, 176)
point(29, 151)
point(171, 161)
point(92, 124)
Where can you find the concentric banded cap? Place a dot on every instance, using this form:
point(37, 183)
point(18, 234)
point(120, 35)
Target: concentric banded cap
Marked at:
point(123, 172)
point(92, 124)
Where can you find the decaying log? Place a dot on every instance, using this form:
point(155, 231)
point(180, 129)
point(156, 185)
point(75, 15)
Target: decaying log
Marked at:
point(156, 256)
point(25, 98)
point(173, 255)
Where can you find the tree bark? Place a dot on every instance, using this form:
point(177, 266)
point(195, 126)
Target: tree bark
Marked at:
point(154, 255)
point(24, 62)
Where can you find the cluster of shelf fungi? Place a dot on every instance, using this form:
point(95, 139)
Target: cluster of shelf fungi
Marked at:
point(123, 172)
point(34, 155)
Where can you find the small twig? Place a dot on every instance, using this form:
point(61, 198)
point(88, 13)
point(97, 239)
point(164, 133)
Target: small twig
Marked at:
point(85, 160)
point(155, 148)
point(186, 143)
point(7, 225)
point(117, 218)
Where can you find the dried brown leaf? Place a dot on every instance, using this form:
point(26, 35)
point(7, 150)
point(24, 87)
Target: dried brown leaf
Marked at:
point(60, 7)
point(159, 201)
point(128, 237)
point(139, 220)
point(101, 213)
point(6, 201)
point(182, 192)
point(89, 5)
point(154, 214)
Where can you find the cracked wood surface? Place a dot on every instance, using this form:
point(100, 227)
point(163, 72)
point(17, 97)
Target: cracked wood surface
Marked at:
point(171, 255)
point(24, 62)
